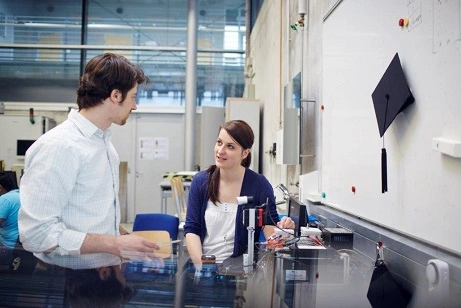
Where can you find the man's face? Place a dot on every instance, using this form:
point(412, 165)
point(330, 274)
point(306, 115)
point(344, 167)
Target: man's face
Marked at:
point(125, 107)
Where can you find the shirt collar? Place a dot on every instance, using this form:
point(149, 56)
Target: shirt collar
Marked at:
point(87, 128)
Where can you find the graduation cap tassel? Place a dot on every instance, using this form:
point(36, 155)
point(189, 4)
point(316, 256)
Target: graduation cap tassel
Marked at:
point(384, 156)
point(383, 170)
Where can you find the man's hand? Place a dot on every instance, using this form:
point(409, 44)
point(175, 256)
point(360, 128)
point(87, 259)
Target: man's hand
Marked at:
point(134, 244)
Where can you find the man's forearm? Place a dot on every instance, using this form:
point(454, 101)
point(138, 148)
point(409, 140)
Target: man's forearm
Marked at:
point(119, 246)
point(99, 243)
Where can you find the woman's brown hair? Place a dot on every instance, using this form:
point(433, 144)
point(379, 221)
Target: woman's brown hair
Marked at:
point(242, 133)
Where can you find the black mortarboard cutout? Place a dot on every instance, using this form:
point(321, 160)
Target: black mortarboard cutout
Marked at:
point(391, 96)
point(384, 291)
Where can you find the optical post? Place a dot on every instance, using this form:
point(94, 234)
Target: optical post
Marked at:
point(249, 220)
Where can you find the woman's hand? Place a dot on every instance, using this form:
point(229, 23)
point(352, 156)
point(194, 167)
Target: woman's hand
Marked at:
point(286, 223)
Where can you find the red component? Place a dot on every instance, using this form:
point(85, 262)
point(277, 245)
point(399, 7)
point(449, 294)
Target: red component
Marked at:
point(401, 22)
point(260, 220)
point(31, 115)
point(322, 107)
point(353, 189)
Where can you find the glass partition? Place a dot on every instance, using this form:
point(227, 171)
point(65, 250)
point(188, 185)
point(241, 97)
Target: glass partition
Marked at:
point(44, 47)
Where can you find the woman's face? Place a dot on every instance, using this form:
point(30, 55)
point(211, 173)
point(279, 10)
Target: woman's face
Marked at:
point(228, 153)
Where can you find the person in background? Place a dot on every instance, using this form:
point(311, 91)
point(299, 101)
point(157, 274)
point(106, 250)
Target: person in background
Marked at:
point(214, 221)
point(9, 207)
point(70, 211)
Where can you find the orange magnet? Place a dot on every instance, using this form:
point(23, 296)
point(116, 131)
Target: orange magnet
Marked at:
point(406, 21)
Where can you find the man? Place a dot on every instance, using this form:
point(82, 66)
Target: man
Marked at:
point(70, 211)
point(9, 207)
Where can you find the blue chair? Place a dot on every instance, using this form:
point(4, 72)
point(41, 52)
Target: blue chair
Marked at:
point(157, 221)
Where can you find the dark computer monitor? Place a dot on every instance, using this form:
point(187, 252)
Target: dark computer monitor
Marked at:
point(298, 212)
point(22, 145)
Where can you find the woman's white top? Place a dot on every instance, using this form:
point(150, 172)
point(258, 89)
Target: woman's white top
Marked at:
point(220, 225)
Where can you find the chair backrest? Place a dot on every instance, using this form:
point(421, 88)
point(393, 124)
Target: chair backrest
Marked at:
point(161, 237)
point(179, 197)
point(157, 221)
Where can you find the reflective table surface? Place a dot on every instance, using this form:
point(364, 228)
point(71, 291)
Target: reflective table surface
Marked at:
point(165, 283)
point(312, 279)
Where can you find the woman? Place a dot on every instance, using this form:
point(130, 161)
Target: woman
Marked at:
point(214, 221)
point(9, 207)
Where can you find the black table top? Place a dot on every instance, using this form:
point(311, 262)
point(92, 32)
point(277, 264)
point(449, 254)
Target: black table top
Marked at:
point(135, 283)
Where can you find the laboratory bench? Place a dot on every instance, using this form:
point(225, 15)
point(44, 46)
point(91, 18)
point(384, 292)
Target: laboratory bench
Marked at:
point(279, 279)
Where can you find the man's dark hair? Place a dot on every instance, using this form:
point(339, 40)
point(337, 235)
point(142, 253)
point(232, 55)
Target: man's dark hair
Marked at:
point(105, 73)
point(85, 289)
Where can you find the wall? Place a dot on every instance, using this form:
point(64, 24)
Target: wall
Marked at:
point(19, 128)
point(267, 35)
point(423, 185)
point(291, 52)
point(423, 182)
point(348, 144)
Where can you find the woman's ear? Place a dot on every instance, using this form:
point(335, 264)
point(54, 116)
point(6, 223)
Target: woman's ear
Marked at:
point(245, 153)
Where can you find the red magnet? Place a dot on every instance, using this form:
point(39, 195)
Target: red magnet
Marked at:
point(353, 189)
point(401, 22)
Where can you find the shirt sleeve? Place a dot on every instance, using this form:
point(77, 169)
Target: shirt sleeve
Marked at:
point(193, 222)
point(50, 174)
point(4, 208)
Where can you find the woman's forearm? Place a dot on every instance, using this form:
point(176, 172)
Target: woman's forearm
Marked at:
point(194, 248)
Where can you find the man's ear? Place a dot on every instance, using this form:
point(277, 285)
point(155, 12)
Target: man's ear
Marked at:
point(104, 272)
point(116, 96)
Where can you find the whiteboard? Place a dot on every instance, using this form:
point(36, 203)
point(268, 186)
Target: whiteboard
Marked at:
point(360, 38)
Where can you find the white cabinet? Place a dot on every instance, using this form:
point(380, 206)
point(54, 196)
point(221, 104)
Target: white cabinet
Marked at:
point(248, 110)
